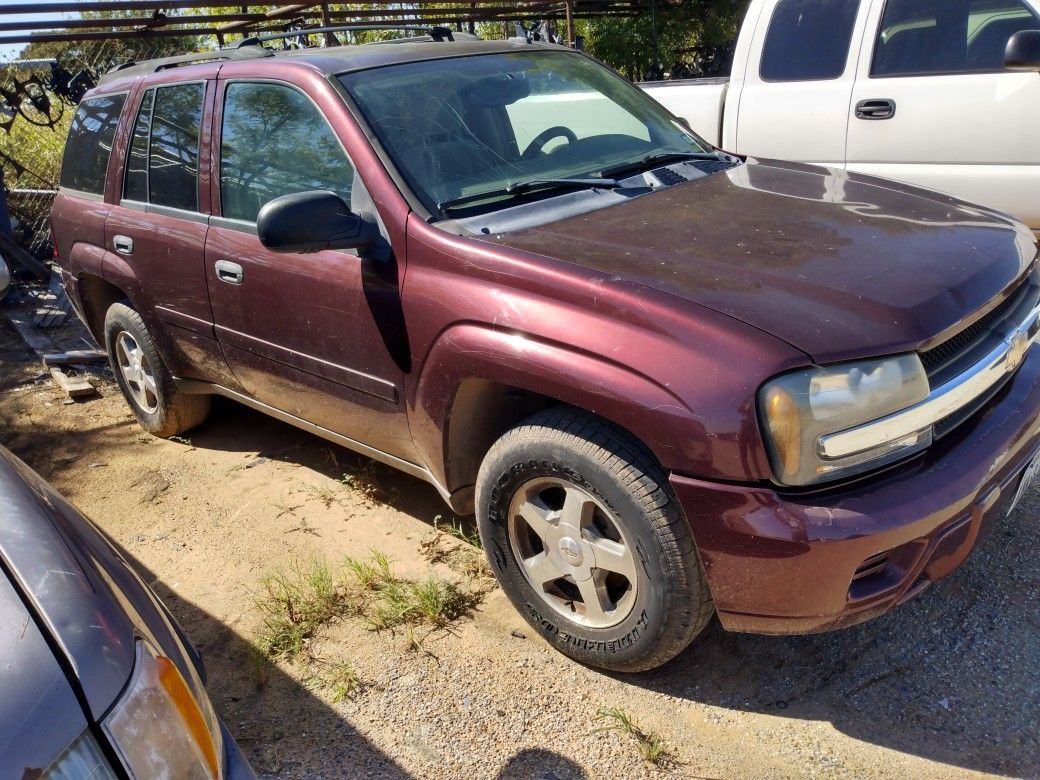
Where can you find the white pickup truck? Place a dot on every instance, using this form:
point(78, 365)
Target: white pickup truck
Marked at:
point(940, 93)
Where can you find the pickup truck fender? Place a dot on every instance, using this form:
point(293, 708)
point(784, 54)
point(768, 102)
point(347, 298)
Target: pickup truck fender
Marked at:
point(458, 410)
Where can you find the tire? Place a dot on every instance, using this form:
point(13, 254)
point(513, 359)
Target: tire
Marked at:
point(632, 594)
point(144, 380)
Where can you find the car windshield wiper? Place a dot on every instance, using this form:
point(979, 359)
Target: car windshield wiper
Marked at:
point(660, 157)
point(532, 185)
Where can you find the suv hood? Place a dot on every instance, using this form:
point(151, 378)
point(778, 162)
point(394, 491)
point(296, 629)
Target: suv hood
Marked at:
point(838, 265)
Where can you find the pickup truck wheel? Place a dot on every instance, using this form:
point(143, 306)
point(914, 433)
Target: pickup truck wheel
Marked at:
point(589, 543)
point(143, 378)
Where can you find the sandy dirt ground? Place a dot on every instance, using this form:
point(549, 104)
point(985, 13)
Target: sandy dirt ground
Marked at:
point(948, 686)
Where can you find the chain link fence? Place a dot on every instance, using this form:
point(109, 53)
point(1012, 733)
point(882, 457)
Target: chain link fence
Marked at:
point(38, 97)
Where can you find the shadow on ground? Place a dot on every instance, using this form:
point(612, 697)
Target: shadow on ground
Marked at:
point(953, 676)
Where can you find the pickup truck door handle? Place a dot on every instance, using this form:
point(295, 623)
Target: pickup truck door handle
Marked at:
point(876, 109)
point(124, 245)
point(229, 272)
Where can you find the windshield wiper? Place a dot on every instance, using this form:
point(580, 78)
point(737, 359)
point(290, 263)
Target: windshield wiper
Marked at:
point(660, 157)
point(532, 185)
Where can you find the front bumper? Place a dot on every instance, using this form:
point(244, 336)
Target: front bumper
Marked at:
point(236, 767)
point(786, 563)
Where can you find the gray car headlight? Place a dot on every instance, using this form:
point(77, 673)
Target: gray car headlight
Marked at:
point(160, 727)
point(798, 408)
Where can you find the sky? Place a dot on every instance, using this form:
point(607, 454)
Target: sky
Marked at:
point(10, 51)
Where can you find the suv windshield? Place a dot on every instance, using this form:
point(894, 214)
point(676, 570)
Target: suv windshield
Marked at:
point(462, 127)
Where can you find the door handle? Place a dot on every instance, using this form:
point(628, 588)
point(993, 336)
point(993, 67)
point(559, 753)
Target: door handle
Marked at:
point(876, 109)
point(124, 245)
point(229, 272)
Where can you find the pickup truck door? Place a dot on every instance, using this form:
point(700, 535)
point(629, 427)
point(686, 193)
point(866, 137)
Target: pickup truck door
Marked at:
point(934, 106)
point(793, 99)
point(310, 335)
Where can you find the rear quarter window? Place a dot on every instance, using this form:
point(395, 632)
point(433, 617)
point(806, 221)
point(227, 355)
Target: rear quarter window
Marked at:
point(89, 144)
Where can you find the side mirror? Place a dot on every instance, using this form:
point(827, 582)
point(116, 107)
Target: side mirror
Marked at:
point(310, 222)
point(1023, 51)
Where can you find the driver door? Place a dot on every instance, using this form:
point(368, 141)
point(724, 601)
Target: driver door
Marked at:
point(303, 333)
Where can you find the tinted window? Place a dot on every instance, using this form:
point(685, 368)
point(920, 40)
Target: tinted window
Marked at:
point(274, 141)
point(947, 36)
point(90, 143)
point(173, 153)
point(808, 40)
point(136, 184)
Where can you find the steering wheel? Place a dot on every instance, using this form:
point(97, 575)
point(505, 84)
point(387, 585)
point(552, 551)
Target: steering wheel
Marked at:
point(544, 137)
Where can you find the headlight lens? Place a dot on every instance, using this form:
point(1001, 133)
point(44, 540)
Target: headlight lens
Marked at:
point(160, 728)
point(798, 408)
point(83, 758)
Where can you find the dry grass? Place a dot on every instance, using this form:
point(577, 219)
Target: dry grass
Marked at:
point(648, 744)
point(295, 604)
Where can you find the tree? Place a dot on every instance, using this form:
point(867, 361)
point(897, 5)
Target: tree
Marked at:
point(627, 44)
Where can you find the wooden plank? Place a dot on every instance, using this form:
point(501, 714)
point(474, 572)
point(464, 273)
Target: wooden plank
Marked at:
point(12, 251)
point(74, 387)
point(38, 341)
point(75, 357)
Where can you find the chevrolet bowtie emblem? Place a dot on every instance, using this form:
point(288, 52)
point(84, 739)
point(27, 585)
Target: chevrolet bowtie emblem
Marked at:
point(1017, 349)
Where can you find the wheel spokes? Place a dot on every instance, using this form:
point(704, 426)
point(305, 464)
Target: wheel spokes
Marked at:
point(541, 569)
point(536, 514)
point(612, 556)
point(596, 599)
point(578, 508)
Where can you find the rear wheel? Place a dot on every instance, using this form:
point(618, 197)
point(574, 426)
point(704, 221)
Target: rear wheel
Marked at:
point(143, 378)
point(589, 543)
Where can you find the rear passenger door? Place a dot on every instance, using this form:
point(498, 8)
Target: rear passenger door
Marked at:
point(962, 123)
point(308, 334)
point(794, 101)
point(156, 232)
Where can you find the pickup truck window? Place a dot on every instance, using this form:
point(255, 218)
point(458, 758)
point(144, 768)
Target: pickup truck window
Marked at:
point(90, 143)
point(808, 40)
point(274, 141)
point(461, 127)
point(918, 38)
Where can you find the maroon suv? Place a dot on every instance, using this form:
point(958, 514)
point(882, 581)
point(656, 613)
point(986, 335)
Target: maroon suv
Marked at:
point(670, 382)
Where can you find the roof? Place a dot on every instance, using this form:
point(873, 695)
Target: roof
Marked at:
point(339, 59)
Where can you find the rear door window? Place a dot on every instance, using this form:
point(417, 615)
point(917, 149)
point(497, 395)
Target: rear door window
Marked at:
point(274, 141)
point(932, 37)
point(135, 186)
point(808, 40)
point(173, 147)
point(89, 143)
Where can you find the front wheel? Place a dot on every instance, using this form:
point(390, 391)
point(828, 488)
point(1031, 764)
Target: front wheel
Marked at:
point(146, 383)
point(589, 543)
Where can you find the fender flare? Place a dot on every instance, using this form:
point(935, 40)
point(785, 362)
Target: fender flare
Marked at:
point(464, 352)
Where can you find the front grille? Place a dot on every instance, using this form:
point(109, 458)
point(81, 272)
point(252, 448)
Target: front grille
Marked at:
point(951, 352)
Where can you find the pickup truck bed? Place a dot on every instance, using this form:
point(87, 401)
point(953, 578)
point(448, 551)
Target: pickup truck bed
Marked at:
point(699, 101)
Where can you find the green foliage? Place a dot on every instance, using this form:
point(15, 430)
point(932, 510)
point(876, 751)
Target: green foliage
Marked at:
point(296, 603)
point(628, 44)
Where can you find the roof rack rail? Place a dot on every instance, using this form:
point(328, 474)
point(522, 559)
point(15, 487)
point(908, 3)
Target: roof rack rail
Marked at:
point(438, 34)
point(154, 66)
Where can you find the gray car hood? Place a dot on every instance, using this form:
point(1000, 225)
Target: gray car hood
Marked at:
point(85, 596)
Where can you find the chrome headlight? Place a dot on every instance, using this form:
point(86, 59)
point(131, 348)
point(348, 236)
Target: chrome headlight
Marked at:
point(799, 408)
point(161, 728)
